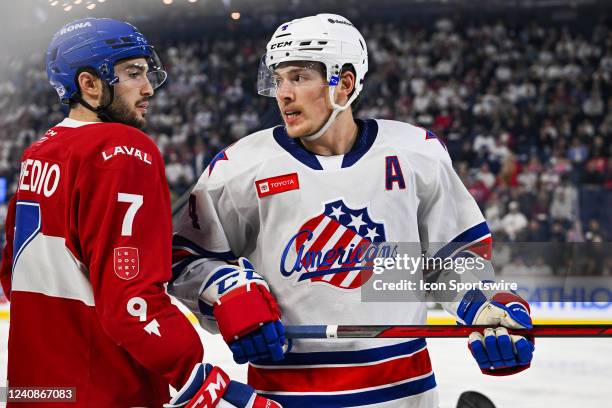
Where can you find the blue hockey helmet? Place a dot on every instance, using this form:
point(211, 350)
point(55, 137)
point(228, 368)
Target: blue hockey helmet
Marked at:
point(98, 44)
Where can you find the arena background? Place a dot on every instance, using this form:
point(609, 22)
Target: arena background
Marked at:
point(520, 92)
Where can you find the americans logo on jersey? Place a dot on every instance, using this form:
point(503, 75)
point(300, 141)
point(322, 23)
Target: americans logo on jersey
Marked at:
point(336, 247)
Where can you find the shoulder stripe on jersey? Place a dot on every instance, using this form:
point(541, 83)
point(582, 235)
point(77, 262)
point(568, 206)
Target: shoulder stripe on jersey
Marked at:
point(466, 238)
point(347, 357)
point(377, 396)
point(368, 130)
point(429, 135)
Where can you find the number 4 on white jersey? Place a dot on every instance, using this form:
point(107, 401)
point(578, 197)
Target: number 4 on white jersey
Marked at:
point(135, 201)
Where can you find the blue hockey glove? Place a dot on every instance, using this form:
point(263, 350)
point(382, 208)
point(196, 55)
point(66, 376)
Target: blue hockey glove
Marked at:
point(496, 351)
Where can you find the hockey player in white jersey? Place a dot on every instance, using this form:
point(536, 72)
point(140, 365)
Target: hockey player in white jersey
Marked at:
point(270, 234)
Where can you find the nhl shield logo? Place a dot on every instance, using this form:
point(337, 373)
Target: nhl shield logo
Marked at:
point(336, 247)
point(126, 262)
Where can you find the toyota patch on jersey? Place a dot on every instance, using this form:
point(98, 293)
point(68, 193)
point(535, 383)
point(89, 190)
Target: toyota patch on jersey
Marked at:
point(278, 184)
point(126, 262)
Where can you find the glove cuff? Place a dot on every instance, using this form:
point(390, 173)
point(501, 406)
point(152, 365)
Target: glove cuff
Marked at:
point(470, 305)
point(516, 307)
point(243, 310)
point(500, 372)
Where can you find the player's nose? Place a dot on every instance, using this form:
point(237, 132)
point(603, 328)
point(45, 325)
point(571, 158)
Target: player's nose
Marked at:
point(147, 88)
point(285, 92)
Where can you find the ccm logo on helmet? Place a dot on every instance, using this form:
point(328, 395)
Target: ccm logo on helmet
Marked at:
point(281, 44)
point(74, 27)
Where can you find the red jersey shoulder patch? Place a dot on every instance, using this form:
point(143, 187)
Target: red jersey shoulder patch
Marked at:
point(126, 262)
point(278, 184)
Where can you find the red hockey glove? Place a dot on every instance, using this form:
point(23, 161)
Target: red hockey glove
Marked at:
point(246, 312)
point(208, 386)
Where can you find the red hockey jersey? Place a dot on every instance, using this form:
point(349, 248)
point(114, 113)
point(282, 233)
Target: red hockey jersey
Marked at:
point(87, 256)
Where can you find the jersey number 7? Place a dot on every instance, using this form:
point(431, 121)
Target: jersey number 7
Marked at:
point(135, 201)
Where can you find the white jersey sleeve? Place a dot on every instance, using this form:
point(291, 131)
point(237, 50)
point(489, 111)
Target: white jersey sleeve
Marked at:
point(219, 225)
point(450, 222)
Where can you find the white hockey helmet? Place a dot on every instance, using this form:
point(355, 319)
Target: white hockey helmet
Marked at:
point(326, 38)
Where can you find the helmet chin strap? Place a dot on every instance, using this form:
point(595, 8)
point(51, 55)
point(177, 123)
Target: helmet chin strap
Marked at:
point(332, 116)
point(100, 111)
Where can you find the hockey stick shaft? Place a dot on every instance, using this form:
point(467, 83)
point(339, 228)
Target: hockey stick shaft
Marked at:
point(440, 331)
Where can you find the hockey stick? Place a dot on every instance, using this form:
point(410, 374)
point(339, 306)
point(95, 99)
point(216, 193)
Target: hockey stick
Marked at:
point(439, 331)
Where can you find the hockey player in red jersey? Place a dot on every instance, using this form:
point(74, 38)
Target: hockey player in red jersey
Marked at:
point(299, 201)
point(88, 248)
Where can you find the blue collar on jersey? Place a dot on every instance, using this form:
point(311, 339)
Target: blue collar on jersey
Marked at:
point(368, 129)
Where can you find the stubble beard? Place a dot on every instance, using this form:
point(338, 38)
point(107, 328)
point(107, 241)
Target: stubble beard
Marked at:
point(121, 112)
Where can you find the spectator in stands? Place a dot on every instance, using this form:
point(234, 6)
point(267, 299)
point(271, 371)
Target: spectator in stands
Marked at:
point(514, 222)
point(594, 232)
point(564, 205)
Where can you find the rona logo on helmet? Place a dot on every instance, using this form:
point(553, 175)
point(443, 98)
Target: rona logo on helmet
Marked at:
point(74, 27)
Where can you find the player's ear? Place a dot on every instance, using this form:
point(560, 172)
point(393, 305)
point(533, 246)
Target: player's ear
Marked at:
point(90, 86)
point(347, 85)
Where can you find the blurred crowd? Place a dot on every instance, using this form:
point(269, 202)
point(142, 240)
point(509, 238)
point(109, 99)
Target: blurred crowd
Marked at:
point(525, 111)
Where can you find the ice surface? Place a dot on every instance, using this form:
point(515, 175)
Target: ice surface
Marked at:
point(566, 373)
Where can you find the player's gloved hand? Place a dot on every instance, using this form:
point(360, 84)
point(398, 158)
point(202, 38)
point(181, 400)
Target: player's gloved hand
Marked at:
point(246, 312)
point(496, 351)
point(209, 386)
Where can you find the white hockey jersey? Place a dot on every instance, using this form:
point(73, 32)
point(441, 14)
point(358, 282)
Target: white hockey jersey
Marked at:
point(294, 214)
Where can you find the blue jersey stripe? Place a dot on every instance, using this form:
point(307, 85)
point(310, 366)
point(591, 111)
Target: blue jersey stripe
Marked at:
point(468, 236)
point(358, 398)
point(347, 357)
